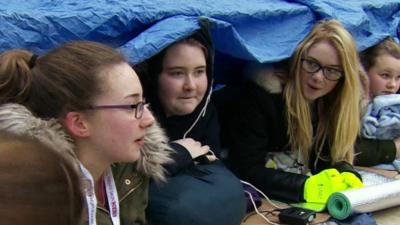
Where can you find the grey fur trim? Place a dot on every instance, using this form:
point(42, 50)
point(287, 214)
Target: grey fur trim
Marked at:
point(154, 154)
point(269, 78)
point(17, 119)
point(365, 97)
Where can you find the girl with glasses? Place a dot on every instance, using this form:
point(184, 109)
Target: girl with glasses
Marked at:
point(97, 97)
point(291, 131)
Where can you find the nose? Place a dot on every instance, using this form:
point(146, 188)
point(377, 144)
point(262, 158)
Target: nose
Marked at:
point(189, 83)
point(391, 83)
point(147, 119)
point(318, 76)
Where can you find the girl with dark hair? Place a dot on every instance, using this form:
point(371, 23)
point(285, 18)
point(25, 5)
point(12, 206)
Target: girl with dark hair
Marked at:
point(200, 189)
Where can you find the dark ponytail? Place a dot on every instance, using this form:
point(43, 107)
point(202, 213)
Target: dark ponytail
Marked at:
point(15, 76)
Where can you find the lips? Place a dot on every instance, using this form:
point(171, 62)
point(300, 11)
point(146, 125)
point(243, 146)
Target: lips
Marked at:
point(313, 87)
point(187, 97)
point(185, 100)
point(140, 141)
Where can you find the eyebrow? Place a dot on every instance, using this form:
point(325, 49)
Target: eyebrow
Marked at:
point(388, 70)
point(316, 60)
point(135, 96)
point(183, 68)
point(175, 68)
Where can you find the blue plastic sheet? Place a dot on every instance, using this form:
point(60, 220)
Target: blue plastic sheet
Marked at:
point(250, 30)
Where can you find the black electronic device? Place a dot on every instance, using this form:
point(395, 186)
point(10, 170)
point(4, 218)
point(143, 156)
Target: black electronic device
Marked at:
point(296, 216)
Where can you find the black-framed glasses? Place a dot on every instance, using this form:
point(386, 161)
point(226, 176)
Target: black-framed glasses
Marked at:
point(138, 108)
point(330, 73)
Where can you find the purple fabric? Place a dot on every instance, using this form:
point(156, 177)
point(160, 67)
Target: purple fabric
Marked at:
point(254, 194)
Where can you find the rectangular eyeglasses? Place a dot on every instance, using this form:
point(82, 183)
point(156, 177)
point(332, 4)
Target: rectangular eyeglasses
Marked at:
point(137, 108)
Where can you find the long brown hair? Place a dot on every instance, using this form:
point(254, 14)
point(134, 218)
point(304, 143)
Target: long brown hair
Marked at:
point(66, 79)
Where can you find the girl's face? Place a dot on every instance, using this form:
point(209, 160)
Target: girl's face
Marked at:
point(323, 55)
point(116, 132)
point(183, 80)
point(384, 76)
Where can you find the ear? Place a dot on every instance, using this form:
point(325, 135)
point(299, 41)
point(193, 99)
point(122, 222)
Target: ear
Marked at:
point(77, 124)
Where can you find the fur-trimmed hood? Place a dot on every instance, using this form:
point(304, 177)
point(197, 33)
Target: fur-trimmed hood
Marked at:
point(268, 77)
point(17, 119)
point(155, 153)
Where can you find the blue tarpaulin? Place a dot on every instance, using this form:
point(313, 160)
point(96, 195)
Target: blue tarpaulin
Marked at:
point(249, 30)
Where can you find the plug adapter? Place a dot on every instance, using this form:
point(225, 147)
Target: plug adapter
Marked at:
point(296, 216)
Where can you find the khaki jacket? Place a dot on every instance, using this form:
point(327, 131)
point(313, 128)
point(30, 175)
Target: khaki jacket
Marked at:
point(132, 190)
point(132, 179)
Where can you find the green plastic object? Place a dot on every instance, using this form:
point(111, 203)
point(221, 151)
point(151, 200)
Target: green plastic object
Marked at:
point(339, 206)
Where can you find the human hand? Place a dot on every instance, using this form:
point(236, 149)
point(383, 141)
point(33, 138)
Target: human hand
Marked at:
point(196, 149)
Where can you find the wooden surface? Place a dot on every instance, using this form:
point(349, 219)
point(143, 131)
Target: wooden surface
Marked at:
point(389, 216)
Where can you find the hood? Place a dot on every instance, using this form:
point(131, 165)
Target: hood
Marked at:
point(154, 154)
point(17, 119)
point(150, 77)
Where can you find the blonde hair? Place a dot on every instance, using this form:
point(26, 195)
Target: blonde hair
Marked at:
point(339, 110)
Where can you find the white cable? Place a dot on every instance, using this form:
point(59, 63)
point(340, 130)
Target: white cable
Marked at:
point(258, 212)
point(262, 193)
point(203, 110)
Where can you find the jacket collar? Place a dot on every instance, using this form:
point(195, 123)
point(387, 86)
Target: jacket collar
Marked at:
point(155, 153)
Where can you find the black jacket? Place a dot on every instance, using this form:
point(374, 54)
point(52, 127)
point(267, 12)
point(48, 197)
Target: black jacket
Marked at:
point(252, 125)
point(175, 202)
point(205, 129)
point(371, 152)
